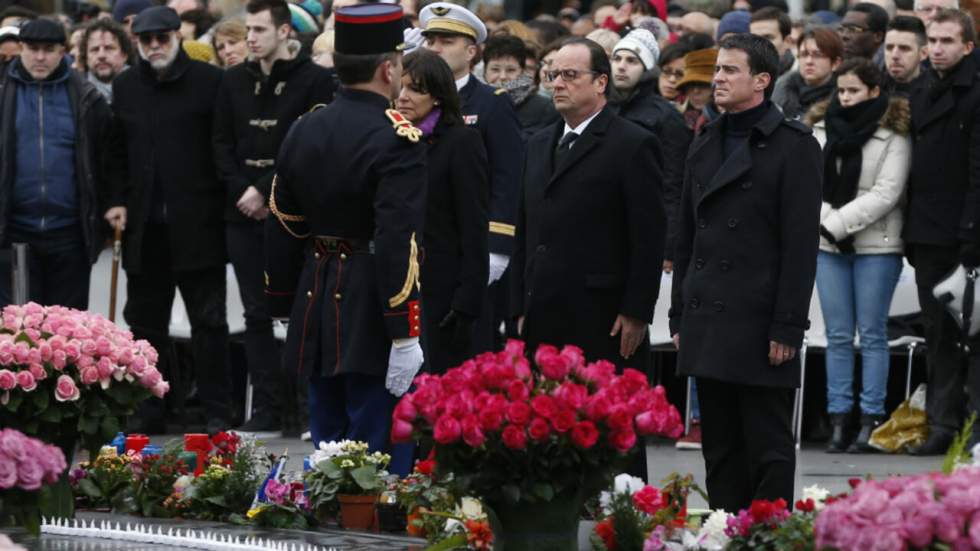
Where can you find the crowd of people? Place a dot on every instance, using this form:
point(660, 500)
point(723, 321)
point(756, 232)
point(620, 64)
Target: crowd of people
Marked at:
point(481, 178)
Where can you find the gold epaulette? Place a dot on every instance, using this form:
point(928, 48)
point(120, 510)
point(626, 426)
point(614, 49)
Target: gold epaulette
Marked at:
point(284, 218)
point(411, 277)
point(403, 126)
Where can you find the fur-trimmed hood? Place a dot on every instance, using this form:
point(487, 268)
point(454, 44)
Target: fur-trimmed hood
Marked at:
point(897, 118)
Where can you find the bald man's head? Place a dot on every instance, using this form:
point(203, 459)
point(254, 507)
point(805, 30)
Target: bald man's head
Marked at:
point(697, 22)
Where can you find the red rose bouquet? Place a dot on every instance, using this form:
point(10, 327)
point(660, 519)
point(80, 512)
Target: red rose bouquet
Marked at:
point(510, 431)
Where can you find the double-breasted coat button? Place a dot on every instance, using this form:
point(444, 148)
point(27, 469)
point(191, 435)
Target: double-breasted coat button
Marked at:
point(732, 222)
point(718, 306)
point(725, 265)
point(309, 294)
point(541, 249)
point(746, 185)
point(695, 304)
point(698, 264)
point(761, 145)
point(337, 296)
point(702, 223)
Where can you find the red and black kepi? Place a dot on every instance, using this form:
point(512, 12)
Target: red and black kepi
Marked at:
point(368, 29)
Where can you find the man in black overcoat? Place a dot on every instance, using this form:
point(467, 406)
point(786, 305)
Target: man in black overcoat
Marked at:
point(942, 225)
point(169, 200)
point(257, 103)
point(591, 224)
point(744, 269)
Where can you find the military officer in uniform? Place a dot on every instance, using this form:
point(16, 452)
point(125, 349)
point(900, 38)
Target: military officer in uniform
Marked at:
point(455, 33)
point(342, 253)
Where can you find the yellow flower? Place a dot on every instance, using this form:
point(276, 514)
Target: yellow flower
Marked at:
point(252, 513)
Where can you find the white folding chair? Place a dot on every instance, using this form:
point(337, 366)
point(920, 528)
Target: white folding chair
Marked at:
point(905, 301)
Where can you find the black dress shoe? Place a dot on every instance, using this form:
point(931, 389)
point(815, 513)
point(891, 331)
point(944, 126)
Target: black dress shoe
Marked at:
point(868, 424)
point(838, 437)
point(937, 444)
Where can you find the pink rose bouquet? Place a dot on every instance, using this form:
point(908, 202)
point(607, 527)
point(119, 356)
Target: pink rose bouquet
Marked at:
point(26, 464)
point(66, 373)
point(933, 510)
point(513, 431)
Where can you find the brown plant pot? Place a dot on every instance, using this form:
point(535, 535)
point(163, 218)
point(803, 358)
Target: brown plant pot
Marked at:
point(357, 512)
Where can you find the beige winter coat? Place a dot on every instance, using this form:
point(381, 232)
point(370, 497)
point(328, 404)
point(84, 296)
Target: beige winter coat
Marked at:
point(875, 215)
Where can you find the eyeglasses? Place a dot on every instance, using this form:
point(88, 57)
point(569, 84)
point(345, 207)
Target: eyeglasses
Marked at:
point(813, 54)
point(568, 75)
point(852, 29)
point(161, 38)
point(676, 75)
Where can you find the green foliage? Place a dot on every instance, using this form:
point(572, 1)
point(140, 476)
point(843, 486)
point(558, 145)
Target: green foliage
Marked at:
point(958, 452)
point(346, 469)
point(793, 534)
point(153, 481)
point(628, 522)
point(226, 487)
point(545, 471)
point(104, 478)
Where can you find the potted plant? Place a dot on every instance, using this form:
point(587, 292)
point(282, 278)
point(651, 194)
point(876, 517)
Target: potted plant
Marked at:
point(345, 474)
point(104, 483)
point(533, 441)
point(227, 485)
point(153, 480)
point(424, 497)
point(285, 507)
point(26, 465)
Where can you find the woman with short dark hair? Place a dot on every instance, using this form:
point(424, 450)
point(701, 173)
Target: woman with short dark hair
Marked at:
point(455, 267)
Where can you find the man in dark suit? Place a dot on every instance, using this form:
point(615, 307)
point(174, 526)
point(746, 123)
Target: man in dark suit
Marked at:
point(744, 268)
point(342, 244)
point(456, 33)
point(590, 226)
point(942, 226)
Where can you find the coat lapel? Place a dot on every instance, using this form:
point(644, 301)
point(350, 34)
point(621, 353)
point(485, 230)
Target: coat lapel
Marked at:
point(731, 169)
point(938, 109)
point(718, 171)
point(588, 141)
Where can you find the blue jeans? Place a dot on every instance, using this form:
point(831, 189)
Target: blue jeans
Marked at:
point(856, 290)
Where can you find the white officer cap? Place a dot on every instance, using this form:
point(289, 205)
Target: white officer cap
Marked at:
point(447, 18)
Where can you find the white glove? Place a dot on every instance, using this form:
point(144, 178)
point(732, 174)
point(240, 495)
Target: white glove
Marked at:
point(413, 39)
point(498, 263)
point(404, 362)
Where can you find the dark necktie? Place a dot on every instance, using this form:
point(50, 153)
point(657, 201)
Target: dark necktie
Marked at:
point(565, 144)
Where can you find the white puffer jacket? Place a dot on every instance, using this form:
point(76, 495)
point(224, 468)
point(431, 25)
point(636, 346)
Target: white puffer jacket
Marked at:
point(874, 217)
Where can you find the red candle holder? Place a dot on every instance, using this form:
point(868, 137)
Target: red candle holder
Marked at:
point(136, 442)
point(201, 445)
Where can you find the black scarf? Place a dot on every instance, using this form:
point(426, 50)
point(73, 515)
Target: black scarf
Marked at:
point(848, 129)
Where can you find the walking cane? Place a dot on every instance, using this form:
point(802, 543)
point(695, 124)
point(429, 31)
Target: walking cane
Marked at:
point(114, 281)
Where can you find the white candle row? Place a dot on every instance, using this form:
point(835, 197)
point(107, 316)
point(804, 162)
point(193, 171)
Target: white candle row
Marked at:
point(188, 539)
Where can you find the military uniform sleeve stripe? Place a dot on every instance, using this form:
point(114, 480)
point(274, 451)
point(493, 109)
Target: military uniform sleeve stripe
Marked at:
point(411, 277)
point(501, 228)
point(284, 219)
